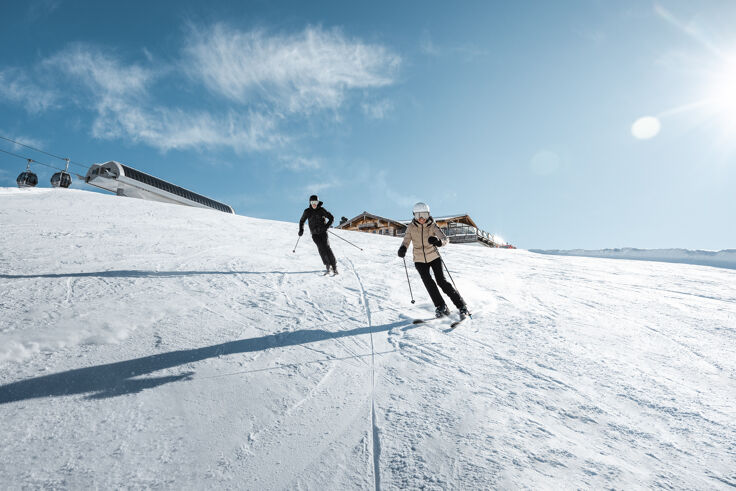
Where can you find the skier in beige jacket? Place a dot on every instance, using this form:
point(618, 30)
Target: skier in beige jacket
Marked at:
point(426, 237)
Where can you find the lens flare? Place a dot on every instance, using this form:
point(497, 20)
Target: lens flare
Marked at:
point(645, 128)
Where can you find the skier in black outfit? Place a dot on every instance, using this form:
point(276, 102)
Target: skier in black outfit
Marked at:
point(320, 221)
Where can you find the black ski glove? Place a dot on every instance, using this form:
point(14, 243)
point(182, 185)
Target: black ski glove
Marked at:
point(301, 232)
point(435, 241)
point(402, 251)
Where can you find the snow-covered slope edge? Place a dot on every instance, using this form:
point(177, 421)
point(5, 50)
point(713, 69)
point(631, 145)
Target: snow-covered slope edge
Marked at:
point(158, 346)
point(719, 259)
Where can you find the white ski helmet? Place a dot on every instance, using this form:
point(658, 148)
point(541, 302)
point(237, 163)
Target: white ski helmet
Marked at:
point(420, 208)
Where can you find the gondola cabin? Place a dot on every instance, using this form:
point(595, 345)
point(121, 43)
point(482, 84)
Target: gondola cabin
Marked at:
point(126, 181)
point(27, 179)
point(61, 180)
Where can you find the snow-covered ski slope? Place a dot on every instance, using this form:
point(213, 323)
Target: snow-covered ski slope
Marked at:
point(152, 345)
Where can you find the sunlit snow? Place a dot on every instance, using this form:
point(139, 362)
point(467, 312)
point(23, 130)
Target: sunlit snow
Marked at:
point(150, 345)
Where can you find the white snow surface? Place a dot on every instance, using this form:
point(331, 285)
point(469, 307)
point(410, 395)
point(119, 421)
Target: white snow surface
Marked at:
point(146, 345)
point(719, 259)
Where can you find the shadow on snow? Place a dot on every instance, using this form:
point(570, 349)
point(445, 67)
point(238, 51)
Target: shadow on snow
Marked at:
point(115, 379)
point(144, 274)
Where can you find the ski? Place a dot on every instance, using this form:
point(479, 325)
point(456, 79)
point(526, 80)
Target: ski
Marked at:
point(456, 323)
point(430, 320)
point(453, 324)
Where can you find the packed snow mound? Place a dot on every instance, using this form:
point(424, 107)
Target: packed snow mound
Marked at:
point(719, 259)
point(147, 345)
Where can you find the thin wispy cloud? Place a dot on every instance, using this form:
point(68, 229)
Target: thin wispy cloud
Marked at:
point(104, 74)
point(402, 199)
point(38, 9)
point(25, 139)
point(267, 83)
point(467, 52)
point(378, 109)
point(318, 187)
point(120, 96)
point(303, 72)
point(590, 34)
point(17, 87)
point(298, 163)
point(427, 46)
point(168, 129)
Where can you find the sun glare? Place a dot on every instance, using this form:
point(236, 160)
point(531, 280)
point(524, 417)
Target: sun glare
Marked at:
point(714, 109)
point(721, 96)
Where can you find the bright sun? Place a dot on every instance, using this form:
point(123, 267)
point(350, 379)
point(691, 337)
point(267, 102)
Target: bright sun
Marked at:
point(715, 107)
point(721, 95)
point(717, 103)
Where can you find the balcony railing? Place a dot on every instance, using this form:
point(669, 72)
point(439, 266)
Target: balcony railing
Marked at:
point(459, 233)
point(462, 233)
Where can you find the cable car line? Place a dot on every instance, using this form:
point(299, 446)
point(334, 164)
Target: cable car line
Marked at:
point(43, 151)
point(37, 162)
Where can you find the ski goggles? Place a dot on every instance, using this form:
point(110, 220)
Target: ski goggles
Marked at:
point(314, 202)
point(421, 214)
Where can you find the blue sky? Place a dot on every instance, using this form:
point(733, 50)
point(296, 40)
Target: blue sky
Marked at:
point(527, 115)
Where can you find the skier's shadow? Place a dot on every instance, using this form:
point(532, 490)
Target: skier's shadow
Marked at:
point(117, 379)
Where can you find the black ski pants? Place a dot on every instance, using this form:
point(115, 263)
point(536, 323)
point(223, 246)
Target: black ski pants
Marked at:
point(436, 267)
point(323, 246)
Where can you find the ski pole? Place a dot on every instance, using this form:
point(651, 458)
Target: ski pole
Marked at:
point(407, 280)
point(297, 243)
point(446, 269)
point(333, 233)
point(448, 274)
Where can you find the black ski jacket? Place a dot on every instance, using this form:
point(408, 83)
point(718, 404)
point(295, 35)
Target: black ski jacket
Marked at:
point(316, 217)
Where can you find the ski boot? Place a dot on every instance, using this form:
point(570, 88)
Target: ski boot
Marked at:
point(334, 269)
point(441, 311)
point(463, 312)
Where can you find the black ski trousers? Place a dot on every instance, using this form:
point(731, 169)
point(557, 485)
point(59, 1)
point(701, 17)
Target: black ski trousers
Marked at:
point(323, 246)
point(436, 267)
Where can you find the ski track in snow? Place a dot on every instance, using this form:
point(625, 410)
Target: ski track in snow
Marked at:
point(374, 430)
point(186, 349)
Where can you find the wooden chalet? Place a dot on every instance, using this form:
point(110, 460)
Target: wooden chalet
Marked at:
point(458, 228)
point(374, 224)
point(462, 229)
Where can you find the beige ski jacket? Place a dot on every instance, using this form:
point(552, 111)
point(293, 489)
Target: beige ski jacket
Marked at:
point(418, 235)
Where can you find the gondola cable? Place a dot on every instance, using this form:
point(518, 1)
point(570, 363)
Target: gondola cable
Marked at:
point(69, 161)
point(34, 161)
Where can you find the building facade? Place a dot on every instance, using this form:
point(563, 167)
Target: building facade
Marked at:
point(374, 224)
point(458, 228)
